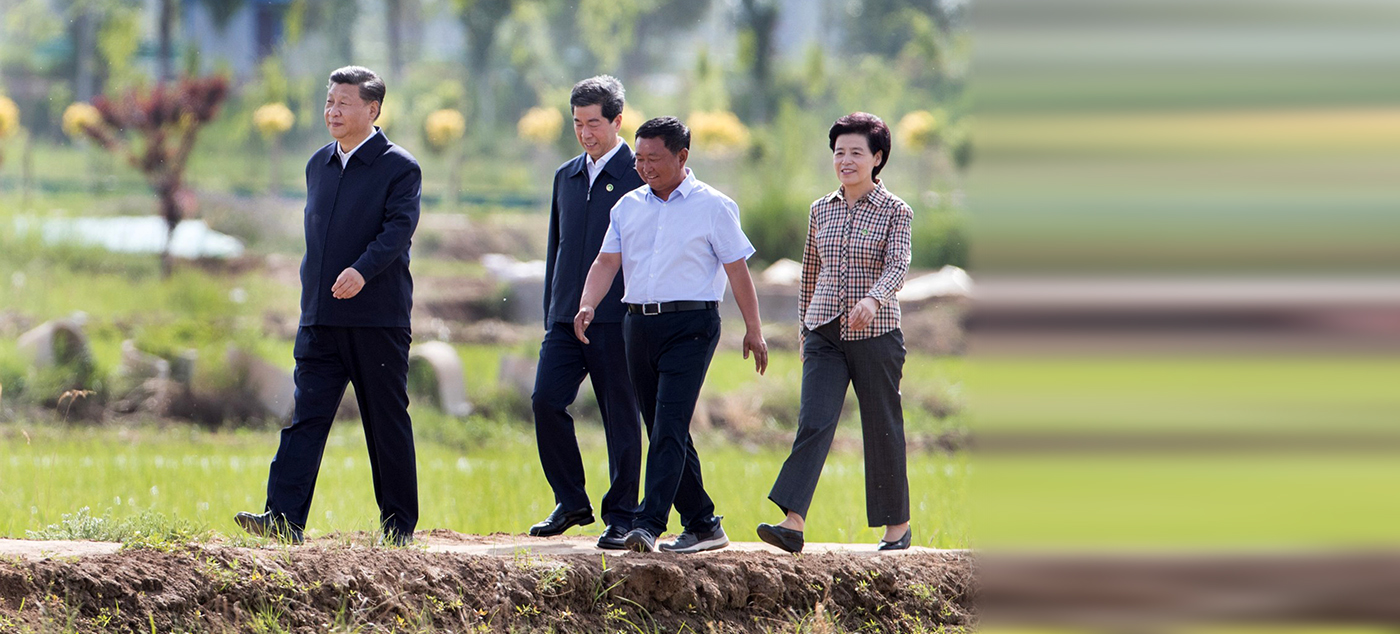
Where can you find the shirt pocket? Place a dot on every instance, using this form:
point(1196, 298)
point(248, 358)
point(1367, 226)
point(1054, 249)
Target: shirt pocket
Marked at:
point(868, 236)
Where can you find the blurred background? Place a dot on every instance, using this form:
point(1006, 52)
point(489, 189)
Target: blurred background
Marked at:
point(151, 193)
point(1180, 222)
point(1183, 357)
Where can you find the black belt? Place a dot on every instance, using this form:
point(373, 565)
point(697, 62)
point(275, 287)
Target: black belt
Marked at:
point(669, 307)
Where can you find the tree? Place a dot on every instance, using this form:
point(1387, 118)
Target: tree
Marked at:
point(167, 120)
point(757, 21)
point(334, 18)
point(393, 10)
point(166, 36)
point(481, 19)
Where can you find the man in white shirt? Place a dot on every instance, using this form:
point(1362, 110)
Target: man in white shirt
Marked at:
point(676, 240)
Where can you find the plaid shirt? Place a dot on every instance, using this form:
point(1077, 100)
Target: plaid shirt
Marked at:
point(851, 256)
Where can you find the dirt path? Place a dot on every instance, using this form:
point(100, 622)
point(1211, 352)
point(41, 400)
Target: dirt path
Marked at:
point(500, 545)
point(455, 582)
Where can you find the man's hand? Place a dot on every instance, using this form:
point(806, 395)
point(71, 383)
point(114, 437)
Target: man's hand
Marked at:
point(753, 341)
point(863, 313)
point(581, 321)
point(348, 284)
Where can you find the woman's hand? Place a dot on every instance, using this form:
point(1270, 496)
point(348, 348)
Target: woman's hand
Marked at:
point(863, 313)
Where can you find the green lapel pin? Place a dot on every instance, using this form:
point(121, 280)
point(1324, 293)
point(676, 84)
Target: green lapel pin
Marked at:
point(609, 188)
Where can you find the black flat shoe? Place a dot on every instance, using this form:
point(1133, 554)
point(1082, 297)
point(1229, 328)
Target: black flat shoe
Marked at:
point(899, 544)
point(784, 538)
point(560, 520)
point(612, 539)
point(265, 525)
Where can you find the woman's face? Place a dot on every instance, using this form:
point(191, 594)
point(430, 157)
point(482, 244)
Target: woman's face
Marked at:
point(853, 160)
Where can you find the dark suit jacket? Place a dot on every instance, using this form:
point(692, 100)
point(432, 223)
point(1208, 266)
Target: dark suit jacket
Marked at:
point(578, 219)
point(362, 216)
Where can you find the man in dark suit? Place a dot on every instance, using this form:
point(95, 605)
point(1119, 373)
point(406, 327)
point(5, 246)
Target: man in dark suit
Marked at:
point(585, 189)
point(362, 196)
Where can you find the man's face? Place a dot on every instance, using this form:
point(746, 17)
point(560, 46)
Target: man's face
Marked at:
point(595, 132)
point(657, 166)
point(347, 115)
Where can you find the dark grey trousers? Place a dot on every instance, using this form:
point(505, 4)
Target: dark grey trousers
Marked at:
point(874, 366)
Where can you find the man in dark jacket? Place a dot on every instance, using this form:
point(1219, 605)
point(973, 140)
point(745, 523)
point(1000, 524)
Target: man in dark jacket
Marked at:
point(585, 189)
point(362, 196)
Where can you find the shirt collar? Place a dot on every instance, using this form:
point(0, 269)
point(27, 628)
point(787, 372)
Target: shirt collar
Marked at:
point(874, 196)
point(337, 154)
point(603, 161)
point(684, 189)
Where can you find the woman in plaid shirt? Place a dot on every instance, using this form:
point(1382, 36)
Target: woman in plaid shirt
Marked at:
point(854, 262)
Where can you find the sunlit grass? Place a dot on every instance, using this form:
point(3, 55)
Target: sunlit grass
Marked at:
point(203, 479)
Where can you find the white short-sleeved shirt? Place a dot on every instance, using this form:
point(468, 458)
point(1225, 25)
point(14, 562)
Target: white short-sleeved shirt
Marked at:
point(675, 250)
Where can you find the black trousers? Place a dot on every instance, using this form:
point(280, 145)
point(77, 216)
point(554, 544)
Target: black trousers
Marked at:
point(375, 360)
point(667, 356)
point(875, 367)
point(564, 361)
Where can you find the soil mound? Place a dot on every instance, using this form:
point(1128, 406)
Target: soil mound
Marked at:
point(343, 586)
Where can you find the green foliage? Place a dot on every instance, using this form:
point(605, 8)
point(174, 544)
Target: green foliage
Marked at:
point(118, 41)
point(708, 89)
point(939, 238)
point(609, 27)
point(776, 224)
point(148, 529)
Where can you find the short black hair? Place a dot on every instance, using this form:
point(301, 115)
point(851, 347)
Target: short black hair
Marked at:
point(877, 134)
point(603, 90)
point(371, 86)
point(668, 129)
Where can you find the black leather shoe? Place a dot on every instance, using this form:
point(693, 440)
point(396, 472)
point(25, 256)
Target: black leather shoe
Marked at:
point(899, 544)
point(782, 537)
point(561, 520)
point(640, 540)
point(612, 539)
point(265, 525)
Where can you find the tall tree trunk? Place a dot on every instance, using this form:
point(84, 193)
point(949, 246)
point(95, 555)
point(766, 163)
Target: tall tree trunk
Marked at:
point(170, 210)
point(760, 17)
point(166, 68)
point(394, 11)
point(343, 17)
point(479, 72)
point(84, 56)
point(481, 19)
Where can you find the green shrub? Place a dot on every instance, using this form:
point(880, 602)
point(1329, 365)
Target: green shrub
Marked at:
point(776, 224)
point(939, 238)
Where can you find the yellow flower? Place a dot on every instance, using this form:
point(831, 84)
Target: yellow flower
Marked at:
point(718, 131)
point(273, 119)
point(540, 125)
point(79, 116)
point(9, 117)
point(444, 127)
point(920, 129)
point(631, 120)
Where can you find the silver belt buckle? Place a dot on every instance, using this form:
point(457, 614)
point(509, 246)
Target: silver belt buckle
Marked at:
point(645, 310)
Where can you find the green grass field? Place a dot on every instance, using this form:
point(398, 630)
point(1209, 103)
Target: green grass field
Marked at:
point(1312, 460)
point(207, 477)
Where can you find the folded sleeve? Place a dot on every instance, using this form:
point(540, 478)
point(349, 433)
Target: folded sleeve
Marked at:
point(727, 235)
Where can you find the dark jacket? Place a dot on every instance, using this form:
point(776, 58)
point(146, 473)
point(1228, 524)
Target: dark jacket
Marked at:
point(578, 219)
point(362, 216)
